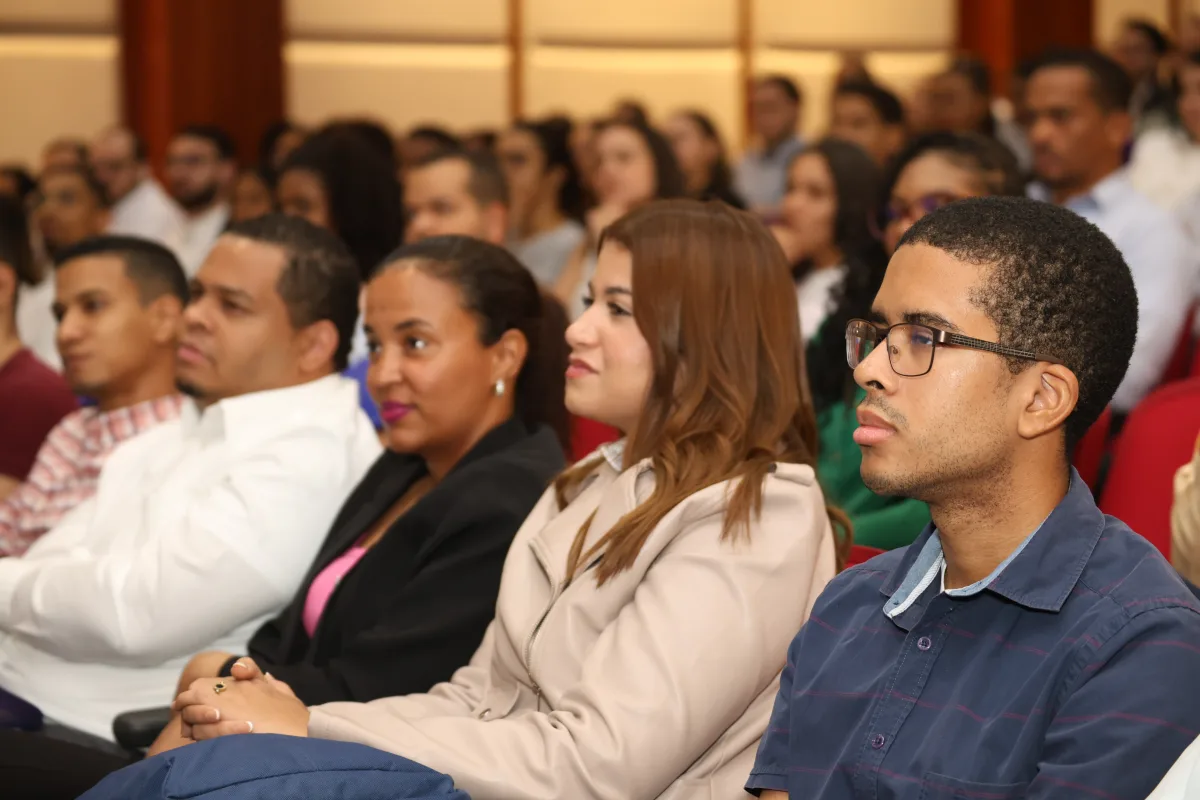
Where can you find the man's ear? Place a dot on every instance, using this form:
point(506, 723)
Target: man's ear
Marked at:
point(166, 315)
point(1049, 395)
point(318, 343)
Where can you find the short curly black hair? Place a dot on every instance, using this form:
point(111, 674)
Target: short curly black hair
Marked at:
point(1057, 286)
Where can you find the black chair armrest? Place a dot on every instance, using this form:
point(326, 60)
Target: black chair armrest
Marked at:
point(137, 730)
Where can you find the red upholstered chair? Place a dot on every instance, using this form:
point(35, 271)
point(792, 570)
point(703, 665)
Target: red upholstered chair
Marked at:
point(1181, 364)
point(860, 553)
point(1157, 440)
point(1091, 449)
point(587, 435)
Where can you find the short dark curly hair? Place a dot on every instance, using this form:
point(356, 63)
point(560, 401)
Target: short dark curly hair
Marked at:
point(1057, 286)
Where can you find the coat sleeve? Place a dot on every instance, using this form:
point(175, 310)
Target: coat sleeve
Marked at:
point(693, 643)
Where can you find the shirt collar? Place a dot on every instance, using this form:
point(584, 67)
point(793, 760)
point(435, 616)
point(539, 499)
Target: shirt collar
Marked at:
point(250, 416)
point(614, 454)
point(1039, 574)
point(1101, 197)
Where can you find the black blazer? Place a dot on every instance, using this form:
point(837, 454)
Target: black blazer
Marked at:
point(416, 606)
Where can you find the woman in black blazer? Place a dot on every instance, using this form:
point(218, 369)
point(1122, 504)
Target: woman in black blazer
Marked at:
point(467, 367)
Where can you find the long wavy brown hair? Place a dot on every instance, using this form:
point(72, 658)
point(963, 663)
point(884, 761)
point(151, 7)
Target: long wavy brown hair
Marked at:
point(714, 299)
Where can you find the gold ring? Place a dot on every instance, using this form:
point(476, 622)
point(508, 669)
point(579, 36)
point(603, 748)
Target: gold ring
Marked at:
point(219, 687)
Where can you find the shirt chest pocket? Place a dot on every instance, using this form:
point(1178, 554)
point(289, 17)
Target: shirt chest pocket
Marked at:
point(942, 787)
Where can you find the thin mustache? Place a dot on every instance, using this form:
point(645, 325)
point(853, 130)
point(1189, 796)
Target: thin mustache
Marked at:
point(887, 412)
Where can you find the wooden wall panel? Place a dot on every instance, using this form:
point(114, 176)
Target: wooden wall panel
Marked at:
point(80, 73)
point(396, 20)
point(58, 16)
point(698, 23)
point(463, 86)
point(859, 24)
point(1005, 32)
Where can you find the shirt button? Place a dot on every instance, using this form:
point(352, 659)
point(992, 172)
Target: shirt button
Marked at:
point(878, 740)
point(924, 643)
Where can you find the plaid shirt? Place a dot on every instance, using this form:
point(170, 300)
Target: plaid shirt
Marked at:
point(68, 466)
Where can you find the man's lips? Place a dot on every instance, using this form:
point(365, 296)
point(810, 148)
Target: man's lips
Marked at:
point(872, 429)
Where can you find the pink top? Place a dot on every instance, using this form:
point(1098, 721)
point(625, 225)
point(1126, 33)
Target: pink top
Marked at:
point(321, 589)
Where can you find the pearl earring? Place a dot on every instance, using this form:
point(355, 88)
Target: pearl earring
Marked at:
point(499, 390)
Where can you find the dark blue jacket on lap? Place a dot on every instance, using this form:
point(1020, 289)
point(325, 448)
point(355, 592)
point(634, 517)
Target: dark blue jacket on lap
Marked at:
point(268, 767)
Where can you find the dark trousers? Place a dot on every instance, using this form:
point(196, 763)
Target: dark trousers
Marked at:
point(55, 763)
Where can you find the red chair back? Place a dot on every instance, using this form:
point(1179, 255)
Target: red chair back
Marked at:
point(587, 435)
point(1181, 365)
point(1091, 449)
point(860, 553)
point(1156, 441)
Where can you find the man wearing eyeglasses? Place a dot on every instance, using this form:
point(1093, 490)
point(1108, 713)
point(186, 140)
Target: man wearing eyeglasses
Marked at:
point(200, 174)
point(1025, 646)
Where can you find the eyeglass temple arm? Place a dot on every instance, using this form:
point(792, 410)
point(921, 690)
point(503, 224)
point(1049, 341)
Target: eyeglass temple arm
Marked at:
point(999, 349)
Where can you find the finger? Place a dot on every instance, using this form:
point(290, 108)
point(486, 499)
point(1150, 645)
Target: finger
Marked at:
point(200, 715)
point(219, 729)
point(185, 730)
point(244, 669)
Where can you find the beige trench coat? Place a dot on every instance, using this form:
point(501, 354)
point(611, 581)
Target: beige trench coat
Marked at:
point(657, 685)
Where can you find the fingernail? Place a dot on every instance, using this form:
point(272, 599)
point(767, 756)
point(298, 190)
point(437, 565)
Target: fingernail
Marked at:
point(250, 725)
point(216, 715)
point(239, 664)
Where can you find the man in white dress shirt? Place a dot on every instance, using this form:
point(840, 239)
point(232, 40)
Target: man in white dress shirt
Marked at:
point(1079, 124)
point(140, 206)
point(201, 528)
point(200, 175)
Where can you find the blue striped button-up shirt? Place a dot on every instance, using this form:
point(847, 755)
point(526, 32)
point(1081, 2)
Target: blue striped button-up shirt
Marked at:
point(1071, 671)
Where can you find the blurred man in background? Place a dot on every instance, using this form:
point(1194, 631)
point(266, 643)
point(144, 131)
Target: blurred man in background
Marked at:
point(761, 175)
point(455, 192)
point(200, 176)
point(140, 205)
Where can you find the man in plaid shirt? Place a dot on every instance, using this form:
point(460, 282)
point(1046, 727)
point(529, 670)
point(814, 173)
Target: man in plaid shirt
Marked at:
point(118, 301)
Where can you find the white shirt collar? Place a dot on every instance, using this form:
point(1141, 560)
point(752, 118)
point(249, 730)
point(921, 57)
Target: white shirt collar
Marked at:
point(255, 415)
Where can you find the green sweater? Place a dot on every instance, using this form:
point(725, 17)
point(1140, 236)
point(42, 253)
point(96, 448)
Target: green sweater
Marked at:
point(883, 522)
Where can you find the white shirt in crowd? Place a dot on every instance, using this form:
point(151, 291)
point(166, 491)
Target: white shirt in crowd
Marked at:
point(199, 235)
point(201, 529)
point(150, 213)
point(814, 296)
point(547, 253)
point(1183, 781)
point(1165, 166)
point(36, 324)
point(1163, 264)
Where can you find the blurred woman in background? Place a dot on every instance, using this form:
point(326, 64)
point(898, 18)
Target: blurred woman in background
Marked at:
point(545, 198)
point(1165, 165)
point(634, 165)
point(701, 155)
point(252, 196)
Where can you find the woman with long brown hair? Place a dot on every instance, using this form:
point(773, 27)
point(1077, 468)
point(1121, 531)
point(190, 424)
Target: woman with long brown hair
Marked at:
point(648, 601)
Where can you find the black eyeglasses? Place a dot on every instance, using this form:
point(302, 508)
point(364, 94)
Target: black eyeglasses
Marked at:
point(910, 347)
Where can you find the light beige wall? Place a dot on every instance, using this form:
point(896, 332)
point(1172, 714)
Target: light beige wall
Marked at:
point(59, 72)
point(408, 62)
point(1109, 14)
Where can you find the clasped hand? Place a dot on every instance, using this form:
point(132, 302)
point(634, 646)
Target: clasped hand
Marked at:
point(250, 702)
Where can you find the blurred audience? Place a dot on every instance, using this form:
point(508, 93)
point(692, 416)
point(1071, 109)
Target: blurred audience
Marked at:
point(226, 504)
point(1079, 126)
point(66, 152)
point(631, 112)
point(15, 181)
point(33, 398)
point(936, 169)
point(252, 196)
point(416, 571)
point(663, 544)
point(961, 102)
point(72, 205)
point(833, 192)
point(456, 192)
point(871, 117)
point(702, 159)
point(423, 142)
point(481, 141)
point(634, 165)
point(1165, 164)
point(761, 175)
point(275, 145)
point(140, 206)
point(852, 68)
point(337, 180)
point(1141, 49)
point(1185, 520)
point(546, 200)
point(118, 302)
point(200, 174)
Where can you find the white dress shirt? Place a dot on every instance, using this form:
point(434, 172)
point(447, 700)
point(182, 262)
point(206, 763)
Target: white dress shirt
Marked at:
point(200, 530)
point(36, 324)
point(814, 296)
point(1157, 251)
point(150, 213)
point(199, 235)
